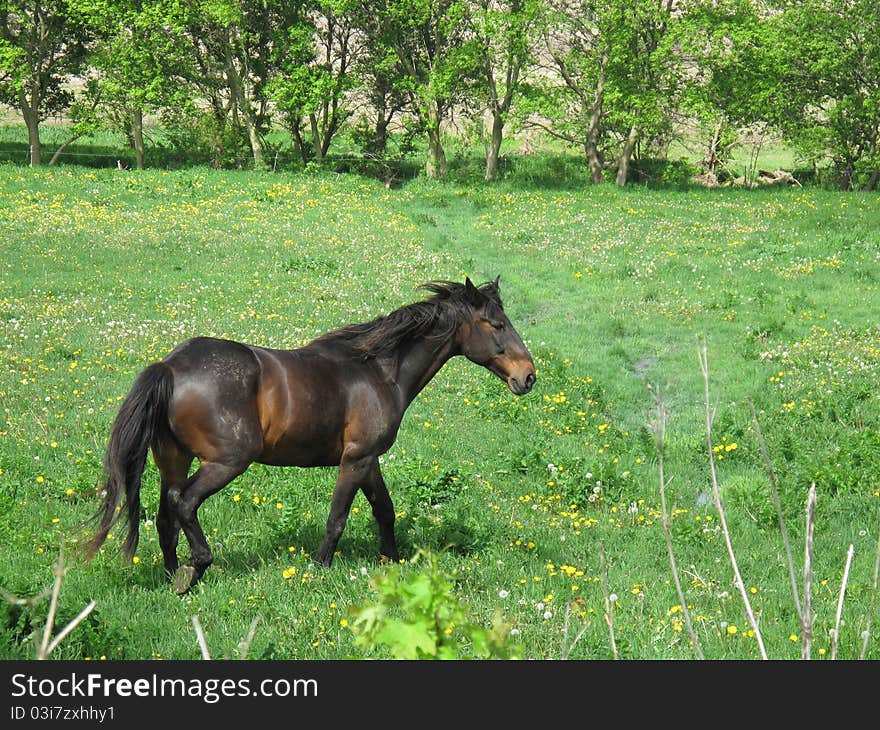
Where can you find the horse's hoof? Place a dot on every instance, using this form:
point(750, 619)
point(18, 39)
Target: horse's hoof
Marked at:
point(184, 579)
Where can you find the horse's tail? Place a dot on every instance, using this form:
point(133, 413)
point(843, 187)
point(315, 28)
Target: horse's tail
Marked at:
point(142, 417)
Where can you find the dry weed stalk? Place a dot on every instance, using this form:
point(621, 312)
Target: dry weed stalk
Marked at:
point(658, 426)
point(244, 645)
point(48, 644)
point(807, 617)
point(775, 492)
point(609, 619)
point(200, 636)
point(566, 647)
point(835, 635)
point(704, 366)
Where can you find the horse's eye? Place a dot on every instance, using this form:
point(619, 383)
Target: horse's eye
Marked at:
point(497, 325)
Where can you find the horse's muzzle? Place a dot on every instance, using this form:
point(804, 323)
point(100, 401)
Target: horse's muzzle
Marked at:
point(522, 384)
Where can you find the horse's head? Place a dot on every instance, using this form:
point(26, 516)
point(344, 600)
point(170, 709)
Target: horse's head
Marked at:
point(487, 338)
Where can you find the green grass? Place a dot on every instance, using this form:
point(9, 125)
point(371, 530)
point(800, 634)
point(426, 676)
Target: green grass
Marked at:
point(104, 271)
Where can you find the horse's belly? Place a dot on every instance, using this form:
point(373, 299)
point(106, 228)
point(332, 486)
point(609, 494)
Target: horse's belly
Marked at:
point(309, 445)
point(300, 455)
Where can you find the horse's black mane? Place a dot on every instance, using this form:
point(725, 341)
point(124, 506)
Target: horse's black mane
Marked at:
point(438, 315)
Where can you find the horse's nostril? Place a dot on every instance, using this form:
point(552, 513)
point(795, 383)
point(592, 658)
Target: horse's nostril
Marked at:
point(530, 380)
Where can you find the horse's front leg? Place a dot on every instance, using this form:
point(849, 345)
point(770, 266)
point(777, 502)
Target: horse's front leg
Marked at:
point(383, 510)
point(353, 472)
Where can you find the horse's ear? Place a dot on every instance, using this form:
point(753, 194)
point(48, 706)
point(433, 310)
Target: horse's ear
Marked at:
point(472, 294)
point(497, 282)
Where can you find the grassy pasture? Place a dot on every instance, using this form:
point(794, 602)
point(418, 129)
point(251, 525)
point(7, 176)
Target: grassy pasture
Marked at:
point(104, 271)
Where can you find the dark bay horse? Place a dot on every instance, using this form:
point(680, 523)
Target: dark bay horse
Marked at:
point(337, 401)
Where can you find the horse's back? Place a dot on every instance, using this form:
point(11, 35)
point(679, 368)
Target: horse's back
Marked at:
point(213, 411)
point(300, 407)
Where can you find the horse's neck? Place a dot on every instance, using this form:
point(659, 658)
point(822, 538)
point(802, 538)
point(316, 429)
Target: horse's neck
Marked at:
point(417, 363)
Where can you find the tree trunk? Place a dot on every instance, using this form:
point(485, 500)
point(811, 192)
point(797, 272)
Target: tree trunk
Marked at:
point(871, 185)
point(626, 155)
point(253, 135)
point(594, 159)
point(63, 146)
point(316, 138)
point(243, 105)
point(494, 149)
point(299, 145)
point(32, 120)
point(846, 176)
point(435, 166)
point(380, 134)
point(712, 158)
point(137, 136)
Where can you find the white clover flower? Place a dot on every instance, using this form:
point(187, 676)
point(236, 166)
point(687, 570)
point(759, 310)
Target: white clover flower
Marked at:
point(503, 593)
point(548, 615)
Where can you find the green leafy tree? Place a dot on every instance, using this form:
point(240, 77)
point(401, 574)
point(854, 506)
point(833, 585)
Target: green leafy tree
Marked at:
point(237, 47)
point(427, 44)
point(375, 74)
point(827, 102)
point(43, 43)
point(607, 81)
point(139, 66)
point(504, 34)
point(315, 72)
point(724, 74)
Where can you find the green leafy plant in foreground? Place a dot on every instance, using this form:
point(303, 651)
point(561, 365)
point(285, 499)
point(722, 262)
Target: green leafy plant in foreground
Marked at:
point(417, 615)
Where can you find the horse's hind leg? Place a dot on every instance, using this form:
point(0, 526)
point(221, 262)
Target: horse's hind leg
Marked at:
point(185, 501)
point(173, 464)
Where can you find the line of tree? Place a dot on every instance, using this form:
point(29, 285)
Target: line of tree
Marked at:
point(613, 78)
